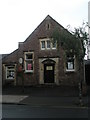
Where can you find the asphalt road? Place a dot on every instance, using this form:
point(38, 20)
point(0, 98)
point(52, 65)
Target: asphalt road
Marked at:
point(27, 111)
point(0, 111)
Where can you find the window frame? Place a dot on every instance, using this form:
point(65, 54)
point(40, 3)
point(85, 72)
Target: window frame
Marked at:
point(42, 45)
point(7, 69)
point(71, 61)
point(56, 45)
point(28, 60)
point(47, 48)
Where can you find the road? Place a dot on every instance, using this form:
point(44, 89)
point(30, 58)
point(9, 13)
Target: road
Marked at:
point(28, 111)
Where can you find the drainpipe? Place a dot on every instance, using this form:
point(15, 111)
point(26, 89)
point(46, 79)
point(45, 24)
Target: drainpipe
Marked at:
point(80, 93)
point(80, 87)
point(22, 71)
point(84, 72)
point(84, 87)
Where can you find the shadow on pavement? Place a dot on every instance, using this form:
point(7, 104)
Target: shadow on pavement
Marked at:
point(41, 91)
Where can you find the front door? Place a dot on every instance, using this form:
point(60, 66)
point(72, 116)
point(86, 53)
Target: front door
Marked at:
point(48, 73)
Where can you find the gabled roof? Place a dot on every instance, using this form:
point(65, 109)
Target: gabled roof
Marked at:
point(4, 55)
point(40, 31)
point(47, 19)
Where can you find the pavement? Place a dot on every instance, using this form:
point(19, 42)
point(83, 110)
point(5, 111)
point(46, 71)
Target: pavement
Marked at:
point(14, 99)
point(43, 96)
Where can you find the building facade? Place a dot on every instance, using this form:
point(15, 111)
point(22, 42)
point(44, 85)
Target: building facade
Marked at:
point(38, 61)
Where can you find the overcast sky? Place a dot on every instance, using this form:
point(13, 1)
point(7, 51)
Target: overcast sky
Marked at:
point(18, 18)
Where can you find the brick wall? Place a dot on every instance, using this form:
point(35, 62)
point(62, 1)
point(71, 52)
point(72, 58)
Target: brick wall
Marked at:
point(32, 43)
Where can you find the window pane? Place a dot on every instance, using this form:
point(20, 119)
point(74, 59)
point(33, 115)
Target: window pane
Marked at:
point(42, 44)
point(48, 44)
point(54, 45)
point(29, 56)
point(29, 65)
point(70, 65)
point(10, 73)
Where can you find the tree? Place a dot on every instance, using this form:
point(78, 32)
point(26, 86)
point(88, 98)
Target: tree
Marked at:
point(74, 43)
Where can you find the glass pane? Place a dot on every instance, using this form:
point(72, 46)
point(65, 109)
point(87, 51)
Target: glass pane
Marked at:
point(48, 44)
point(29, 65)
point(54, 44)
point(70, 65)
point(10, 74)
point(10, 67)
point(70, 62)
point(43, 44)
point(29, 56)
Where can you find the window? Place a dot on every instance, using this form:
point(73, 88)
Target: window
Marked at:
point(70, 64)
point(54, 45)
point(48, 26)
point(47, 44)
point(42, 44)
point(29, 61)
point(10, 72)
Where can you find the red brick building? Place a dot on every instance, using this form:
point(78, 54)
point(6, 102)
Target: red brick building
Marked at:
point(40, 59)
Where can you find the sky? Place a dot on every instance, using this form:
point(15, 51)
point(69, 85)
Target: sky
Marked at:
point(19, 18)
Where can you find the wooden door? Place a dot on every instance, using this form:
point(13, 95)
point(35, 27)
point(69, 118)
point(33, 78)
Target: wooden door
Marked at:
point(49, 73)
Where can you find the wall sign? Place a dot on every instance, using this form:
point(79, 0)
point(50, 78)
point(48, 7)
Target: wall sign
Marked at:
point(20, 60)
point(49, 68)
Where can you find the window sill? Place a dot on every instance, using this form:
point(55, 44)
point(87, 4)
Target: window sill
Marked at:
point(28, 71)
point(43, 49)
point(48, 49)
point(73, 70)
point(54, 48)
point(10, 79)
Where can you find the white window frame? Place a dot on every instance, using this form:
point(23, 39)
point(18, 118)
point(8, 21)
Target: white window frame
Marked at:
point(47, 44)
point(73, 64)
point(7, 69)
point(41, 45)
point(47, 48)
point(54, 47)
point(28, 60)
